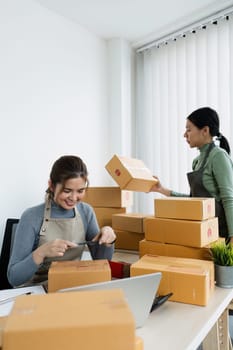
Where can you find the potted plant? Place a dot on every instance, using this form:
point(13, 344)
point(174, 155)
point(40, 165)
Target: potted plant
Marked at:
point(222, 255)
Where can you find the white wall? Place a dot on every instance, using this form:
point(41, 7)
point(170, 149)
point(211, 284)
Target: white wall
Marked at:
point(121, 59)
point(53, 93)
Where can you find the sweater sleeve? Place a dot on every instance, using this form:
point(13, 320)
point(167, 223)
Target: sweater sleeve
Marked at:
point(21, 266)
point(178, 194)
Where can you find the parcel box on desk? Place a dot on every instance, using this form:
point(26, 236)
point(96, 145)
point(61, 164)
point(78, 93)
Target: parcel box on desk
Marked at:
point(66, 274)
point(3, 320)
point(133, 222)
point(83, 320)
point(190, 280)
point(190, 208)
point(167, 249)
point(183, 232)
point(130, 174)
point(139, 345)
point(108, 197)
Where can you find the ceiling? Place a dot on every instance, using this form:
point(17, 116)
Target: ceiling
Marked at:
point(134, 20)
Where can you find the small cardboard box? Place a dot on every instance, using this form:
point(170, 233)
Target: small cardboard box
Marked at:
point(190, 280)
point(104, 215)
point(158, 248)
point(133, 222)
point(3, 320)
point(139, 345)
point(108, 197)
point(66, 274)
point(190, 208)
point(130, 174)
point(128, 240)
point(87, 320)
point(183, 232)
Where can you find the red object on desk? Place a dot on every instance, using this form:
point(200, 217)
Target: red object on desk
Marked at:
point(119, 269)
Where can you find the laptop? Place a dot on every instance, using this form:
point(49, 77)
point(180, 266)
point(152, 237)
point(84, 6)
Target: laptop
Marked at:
point(140, 292)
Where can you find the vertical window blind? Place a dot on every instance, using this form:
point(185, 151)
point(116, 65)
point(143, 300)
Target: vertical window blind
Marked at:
point(174, 78)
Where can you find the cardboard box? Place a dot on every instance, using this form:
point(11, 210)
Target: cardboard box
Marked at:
point(87, 320)
point(182, 232)
point(132, 222)
point(104, 215)
point(108, 197)
point(158, 248)
point(3, 320)
point(128, 240)
point(130, 174)
point(190, 280)
point(190, 208)
point(66, 274)
point(139, 343)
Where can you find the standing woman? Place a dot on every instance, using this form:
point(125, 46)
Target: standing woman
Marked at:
point(51, 231)
point(212, 174)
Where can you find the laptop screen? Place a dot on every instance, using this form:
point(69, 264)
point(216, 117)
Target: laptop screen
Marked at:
point(139, 292)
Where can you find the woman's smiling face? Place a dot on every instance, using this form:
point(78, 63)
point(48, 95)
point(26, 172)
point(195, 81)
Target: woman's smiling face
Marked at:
point(69, 194)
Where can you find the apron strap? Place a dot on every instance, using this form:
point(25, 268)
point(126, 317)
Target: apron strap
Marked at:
point(47, 214)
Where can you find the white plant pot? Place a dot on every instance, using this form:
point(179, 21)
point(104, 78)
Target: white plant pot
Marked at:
point(224, 276)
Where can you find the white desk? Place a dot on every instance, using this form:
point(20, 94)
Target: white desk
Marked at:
point(182, 326)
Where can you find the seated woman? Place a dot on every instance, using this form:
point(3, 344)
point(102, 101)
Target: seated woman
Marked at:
point(52, 230)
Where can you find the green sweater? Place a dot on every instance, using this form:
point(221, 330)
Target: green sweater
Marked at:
point(217, 179)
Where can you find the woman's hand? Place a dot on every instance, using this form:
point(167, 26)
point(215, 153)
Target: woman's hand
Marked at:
point(52, 249)
point(105, 236)
point(158, 187)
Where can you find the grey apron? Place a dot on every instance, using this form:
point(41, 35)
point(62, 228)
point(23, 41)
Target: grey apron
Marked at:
point(195, 179)
point(71, 229)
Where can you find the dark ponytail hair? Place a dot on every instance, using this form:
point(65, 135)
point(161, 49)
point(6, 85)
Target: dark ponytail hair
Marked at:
point(65, 168)
point(207, 116)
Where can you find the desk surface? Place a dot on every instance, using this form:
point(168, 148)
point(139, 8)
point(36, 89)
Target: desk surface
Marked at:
point(183, 326)
point(176, 325)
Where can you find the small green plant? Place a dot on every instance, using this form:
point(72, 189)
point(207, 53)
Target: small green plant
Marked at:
point(222, 253)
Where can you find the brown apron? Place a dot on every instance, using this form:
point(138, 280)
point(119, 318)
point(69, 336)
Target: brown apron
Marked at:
point(197, 188)
point(71, 229)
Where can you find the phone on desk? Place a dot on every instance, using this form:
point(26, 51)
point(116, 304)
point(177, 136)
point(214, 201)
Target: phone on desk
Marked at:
point(159, 300)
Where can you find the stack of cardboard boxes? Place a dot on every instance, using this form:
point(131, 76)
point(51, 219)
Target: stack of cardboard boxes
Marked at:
point(112, 204)
point(181, 227)
point(176, 243)
point(132, 175)
point(129, 229)
point(107, 201)
point(177, 237)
